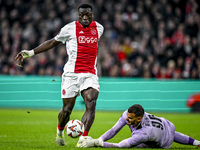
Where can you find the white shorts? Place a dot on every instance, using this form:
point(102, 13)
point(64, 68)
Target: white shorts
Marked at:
point(74, 83)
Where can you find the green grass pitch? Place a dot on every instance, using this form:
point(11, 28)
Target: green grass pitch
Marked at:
point(27, 129)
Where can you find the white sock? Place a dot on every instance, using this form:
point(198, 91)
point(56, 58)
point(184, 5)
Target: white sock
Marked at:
point(196, 143)
point(60, 132)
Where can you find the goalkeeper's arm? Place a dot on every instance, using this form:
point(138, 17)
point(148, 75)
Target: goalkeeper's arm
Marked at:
point(99, 143)
point(113, 131)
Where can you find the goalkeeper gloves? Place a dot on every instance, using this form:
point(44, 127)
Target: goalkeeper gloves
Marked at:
point(98, 142)
point(91, 143)
point(86, 143)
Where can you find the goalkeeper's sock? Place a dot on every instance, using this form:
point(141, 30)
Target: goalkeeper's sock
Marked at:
point(196, 143)
point(85, 133)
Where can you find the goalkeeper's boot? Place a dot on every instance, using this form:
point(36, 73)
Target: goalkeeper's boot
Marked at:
point(60, 139)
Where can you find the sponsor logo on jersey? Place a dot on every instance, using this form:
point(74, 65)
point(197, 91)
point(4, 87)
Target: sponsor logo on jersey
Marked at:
point(81, 32)
point(83, 39)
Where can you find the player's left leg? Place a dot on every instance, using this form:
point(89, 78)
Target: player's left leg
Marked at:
point(184, 139)
point(90, 96)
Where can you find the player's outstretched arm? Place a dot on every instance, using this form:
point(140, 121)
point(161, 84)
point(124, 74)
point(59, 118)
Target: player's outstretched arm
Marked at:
point(99, 143)
point(123, 144)
point(114, 130)
point(41, 48)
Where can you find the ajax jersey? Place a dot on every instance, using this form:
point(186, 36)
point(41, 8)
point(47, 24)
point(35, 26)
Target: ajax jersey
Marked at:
point(81, 44)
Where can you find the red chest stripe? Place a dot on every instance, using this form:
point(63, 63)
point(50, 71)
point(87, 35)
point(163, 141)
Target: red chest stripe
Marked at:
point(87, 42)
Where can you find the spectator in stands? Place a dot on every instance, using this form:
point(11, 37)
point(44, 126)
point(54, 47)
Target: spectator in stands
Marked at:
point(132, 29)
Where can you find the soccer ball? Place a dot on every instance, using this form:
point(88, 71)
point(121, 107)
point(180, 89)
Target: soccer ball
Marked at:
point(74, 128)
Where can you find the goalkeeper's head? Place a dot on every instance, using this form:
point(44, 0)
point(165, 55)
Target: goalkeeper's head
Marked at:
point(134, 115)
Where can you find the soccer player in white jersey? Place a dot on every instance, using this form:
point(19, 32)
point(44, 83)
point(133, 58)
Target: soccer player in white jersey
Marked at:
point(80, 73)
point(148, 131)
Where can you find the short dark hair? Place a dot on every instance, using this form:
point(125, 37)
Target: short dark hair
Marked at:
point(137, 109)
point(85, 5)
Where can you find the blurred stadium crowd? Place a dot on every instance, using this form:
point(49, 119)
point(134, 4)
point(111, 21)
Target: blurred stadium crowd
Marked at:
point(142, 38)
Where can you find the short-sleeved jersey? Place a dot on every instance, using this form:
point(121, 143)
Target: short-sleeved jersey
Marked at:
point(155, 132)
point(81, 44)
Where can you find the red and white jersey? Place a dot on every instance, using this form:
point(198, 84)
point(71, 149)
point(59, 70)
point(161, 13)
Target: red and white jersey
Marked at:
point(81, 45)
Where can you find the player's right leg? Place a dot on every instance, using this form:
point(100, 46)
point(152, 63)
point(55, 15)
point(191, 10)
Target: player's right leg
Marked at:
point(185, 139)
point(69, 92)
point(63, 118)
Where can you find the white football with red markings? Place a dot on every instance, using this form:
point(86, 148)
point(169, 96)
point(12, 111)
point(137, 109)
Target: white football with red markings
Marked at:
point(74, 128)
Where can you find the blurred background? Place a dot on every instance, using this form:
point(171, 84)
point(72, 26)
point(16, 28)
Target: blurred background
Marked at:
point(149, 54)
point(142, 38)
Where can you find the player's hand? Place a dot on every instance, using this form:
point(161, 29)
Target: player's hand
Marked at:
point(24, 54)
point(98, 142)
point(87, 143)
point(82, 139)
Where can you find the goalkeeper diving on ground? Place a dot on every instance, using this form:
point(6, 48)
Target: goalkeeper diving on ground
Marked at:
point(148, 131)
